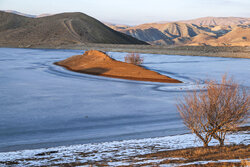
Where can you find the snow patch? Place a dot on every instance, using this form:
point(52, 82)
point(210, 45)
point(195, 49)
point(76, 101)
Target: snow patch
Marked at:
point(117, 151)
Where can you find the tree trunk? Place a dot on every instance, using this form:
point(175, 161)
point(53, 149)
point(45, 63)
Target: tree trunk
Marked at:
point(205, 144)
point(221, 142)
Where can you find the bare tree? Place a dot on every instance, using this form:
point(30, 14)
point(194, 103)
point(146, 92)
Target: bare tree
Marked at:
point(212, 113)
point(134, 58)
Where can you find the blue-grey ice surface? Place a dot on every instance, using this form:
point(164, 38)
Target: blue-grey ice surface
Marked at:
point(43, 105)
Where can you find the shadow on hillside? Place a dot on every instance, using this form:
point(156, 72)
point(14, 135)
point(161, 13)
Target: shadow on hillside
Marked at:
point(94, 71)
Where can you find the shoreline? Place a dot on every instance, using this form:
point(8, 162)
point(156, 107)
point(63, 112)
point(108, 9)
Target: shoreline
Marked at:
point(208, 51)
point(169, 150)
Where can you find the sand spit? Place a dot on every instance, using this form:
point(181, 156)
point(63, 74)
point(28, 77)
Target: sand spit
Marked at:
point(98, 63)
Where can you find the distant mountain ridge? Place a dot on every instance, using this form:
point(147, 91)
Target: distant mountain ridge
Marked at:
point(218, 21)
point(56, 30)
point(201, 31)
point(165, 34)
point(207, 21)
point(27, 15)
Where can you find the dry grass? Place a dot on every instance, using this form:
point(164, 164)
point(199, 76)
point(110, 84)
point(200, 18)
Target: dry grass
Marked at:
point(245, 163)
point(203, 154)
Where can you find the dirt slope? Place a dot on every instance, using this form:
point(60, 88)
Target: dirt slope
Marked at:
point(98, 63)
point(201, 39)
point(150, 35)
point(237, 37)
point(56, 30)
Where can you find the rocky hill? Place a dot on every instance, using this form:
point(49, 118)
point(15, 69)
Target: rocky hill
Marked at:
point(56, 30)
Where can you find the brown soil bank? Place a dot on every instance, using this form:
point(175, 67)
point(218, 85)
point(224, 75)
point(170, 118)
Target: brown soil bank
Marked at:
point(98, 63)
point(188, 157)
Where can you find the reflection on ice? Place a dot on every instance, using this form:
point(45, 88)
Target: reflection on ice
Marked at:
point(182, 88)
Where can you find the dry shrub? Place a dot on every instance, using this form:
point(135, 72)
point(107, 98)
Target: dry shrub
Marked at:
point(245, 163)
point(212, 113)
point(134, 58)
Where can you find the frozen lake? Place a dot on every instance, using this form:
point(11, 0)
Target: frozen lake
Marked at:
point(43, 105)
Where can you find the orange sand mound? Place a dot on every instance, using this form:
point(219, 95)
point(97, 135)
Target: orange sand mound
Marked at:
point(98, 63)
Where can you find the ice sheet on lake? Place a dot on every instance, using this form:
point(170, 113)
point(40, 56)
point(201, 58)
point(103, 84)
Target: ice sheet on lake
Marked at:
point(44, 105)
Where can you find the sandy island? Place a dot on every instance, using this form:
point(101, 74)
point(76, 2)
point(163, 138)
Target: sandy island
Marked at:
point(98, 63)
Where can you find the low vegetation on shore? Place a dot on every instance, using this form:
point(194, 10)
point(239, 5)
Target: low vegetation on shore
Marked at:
point(234, 155)
point(134, 58)
point(211, 51)
point(213, 112)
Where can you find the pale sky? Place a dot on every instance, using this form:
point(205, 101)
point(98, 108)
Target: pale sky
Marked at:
point(134, 12)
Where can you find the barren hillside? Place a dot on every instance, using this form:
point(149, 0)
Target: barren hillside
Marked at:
point(56, 30)
point(237, 37)
point(164, 34)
